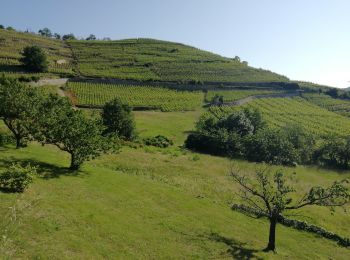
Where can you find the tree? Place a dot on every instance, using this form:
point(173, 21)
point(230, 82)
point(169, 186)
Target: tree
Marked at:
point(270, 196)
point(18, 104)
point(46, 32)
point(34, 59)
point(2, 27)
point(118, 119)
point(69, 36)
point(57, 36)
point(9, 28)
point(59, 124)
point(91, 37)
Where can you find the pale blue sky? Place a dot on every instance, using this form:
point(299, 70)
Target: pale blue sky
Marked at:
point(302, 39)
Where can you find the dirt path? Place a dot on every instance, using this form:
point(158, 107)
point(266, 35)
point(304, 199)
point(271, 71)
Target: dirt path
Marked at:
point(50, 82)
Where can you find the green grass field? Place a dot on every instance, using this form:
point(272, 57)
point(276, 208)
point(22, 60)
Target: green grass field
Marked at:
point(151, 203)
point(96, 95)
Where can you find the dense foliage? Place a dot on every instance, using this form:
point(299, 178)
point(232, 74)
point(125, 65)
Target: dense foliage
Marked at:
point(16, 178)
point(34, 59)
point(244, 133)
point(18, 104)
point(118, 119)
point(141, 97)
point(158, 141)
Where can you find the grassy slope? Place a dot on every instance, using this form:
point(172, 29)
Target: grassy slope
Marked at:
point(148, 203)
point(144, 59)
point(12, 43)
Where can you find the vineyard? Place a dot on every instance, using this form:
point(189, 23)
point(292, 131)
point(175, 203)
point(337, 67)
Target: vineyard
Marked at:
point(338, 106)
point(146, 59)
point(12, 43)
point(147, 97)
point(279, 112)
point(233, 95)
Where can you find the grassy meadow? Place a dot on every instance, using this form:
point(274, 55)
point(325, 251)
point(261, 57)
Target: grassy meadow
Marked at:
point(151, 203)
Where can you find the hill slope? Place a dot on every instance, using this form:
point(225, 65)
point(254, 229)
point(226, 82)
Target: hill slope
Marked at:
point(147, 59)
point(12, 44)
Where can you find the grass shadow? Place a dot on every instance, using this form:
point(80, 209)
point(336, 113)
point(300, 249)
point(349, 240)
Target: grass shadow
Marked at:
point(44, 170)
point(236, 249)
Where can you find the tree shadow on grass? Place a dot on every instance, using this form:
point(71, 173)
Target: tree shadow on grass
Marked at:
point(236, 249)
point(44, 170)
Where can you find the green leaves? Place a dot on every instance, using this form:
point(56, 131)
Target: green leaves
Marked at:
point(34, 59)
point(16, 178)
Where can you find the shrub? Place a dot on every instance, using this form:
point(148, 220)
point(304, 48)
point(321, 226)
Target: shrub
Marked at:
point(118, 119)
point(270, 146)
point(158, 141)
point(6, 139)
point(16, 178)
point(34, 59)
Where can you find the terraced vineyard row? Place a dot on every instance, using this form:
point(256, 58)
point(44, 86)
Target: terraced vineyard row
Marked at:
point(338, 106)
point(279, 112)
point(96, 95)
point(147, 59)
point(233, 95)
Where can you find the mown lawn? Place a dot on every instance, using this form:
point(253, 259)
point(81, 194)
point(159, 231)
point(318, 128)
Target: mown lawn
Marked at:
point(149, 203)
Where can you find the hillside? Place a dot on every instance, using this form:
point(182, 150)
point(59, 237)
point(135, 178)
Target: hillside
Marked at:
point(12, 43)
point(132, 59)
point(147, 59)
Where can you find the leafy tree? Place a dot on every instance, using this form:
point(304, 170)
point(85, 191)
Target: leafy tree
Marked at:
point(59, 124)
point(270, 146)
point(46, 32)
point(270, 196)
point(335, 152)
point(57, 36)
point(91, 37)
point(2, 27)
point(217, 100)
point(69, 36)
point(18, 104)
point(34, 59)
point(9, 28)
point(118, 119)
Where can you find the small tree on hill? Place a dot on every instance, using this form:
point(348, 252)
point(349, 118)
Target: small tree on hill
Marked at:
point(91, 37)
point(118, 119)
point(269, 196)
point(18, 104)
point(2, 27)
point(57, 36)
point(46, 32)
point(71, 131)
point(69, 36)
point(34, 59)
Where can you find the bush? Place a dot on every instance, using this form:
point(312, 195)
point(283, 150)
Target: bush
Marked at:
point(270, 146)
point(118, 120)
point(6, 139)
point(16, 178)
point(158, 141)
point(34, 59)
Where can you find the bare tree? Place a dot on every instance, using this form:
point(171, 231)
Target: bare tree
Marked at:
point(269, 195)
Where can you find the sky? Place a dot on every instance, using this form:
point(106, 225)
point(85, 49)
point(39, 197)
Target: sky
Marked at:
point(305, 40)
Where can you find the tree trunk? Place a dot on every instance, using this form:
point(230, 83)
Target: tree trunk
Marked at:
point(74, 165)
point(272, 235)
point(18, 142)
